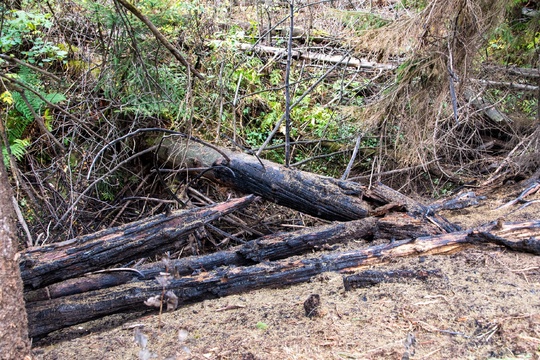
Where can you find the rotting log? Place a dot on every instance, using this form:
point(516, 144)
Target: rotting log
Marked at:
point(51, 315)
point(56, 262)
point(267, 248)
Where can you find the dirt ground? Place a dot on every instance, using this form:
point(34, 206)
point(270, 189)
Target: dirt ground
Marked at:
point(486, 305)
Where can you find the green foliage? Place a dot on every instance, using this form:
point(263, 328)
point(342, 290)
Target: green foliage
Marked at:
point(413, 4)
point(144, 78)
point(149, 91)
point(524, 103)
point(517, 40)
point(21, 116)
point(262, 326)
point(22, 33)
point(361, 21)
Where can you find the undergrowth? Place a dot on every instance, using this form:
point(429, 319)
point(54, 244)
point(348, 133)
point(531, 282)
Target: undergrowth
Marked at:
point(117, 78)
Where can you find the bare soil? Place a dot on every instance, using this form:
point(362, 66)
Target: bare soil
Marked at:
point(486, 305)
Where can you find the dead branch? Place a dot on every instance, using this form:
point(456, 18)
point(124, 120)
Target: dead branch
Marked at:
point(373, 277)
point(300, 55)
point(504, 84)
point(161, 38)
point(513, 70)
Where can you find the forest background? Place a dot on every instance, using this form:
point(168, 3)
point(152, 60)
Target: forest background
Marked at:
point(429, 97)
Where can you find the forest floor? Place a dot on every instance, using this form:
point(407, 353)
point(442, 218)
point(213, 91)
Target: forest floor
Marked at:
point(486, 305)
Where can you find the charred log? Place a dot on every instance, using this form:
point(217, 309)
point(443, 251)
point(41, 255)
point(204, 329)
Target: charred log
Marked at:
point(60, 261)
point(268, 248)
point(50, 315)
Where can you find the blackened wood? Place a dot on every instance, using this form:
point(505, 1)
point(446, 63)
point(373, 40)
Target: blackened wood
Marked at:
point(56, 262)
point(397, 226)
point(312, 305)
point(284, 245)
point(382, 193)
point(267, 248)
point(323, 197)
point(78, 285)
point(373, 277)
point(50, 315)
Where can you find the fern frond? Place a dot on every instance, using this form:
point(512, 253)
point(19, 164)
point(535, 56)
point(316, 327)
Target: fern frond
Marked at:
point(18, 148)
point(21, 106)
point(54, 98)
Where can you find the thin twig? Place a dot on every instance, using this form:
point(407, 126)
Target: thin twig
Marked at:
point(235, 103)
point(35, 68)
point(161, 38)
point(89, 187)
point(20, 217)
point(318, 157)
point(353, 158)
point(306, 93)
point(391, 172)
point(287, 87)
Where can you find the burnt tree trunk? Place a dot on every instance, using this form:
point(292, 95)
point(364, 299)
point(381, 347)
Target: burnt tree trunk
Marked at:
point(56, 262)
point(323, 197)
point(319, 196)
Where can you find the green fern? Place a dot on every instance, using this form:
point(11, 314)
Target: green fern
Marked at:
point(18, 148)
point(22, 116)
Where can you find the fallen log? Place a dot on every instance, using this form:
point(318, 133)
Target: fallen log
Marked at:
point(59, 261)
point(320, 196)
point(47, 316)
point(313, 56)
point(268, 248)
point(323, 197)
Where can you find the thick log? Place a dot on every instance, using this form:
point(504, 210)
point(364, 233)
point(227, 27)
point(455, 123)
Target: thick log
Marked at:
point(320, 196)
point(56, 262)
point(323, 197)
point(47, 316)
point(268, 248)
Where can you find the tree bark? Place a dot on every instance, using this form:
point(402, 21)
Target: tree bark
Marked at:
point(60, 261)
point(14, 342)
point(319, 196)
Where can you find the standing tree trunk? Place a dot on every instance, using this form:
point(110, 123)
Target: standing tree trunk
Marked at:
point(14, 342)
